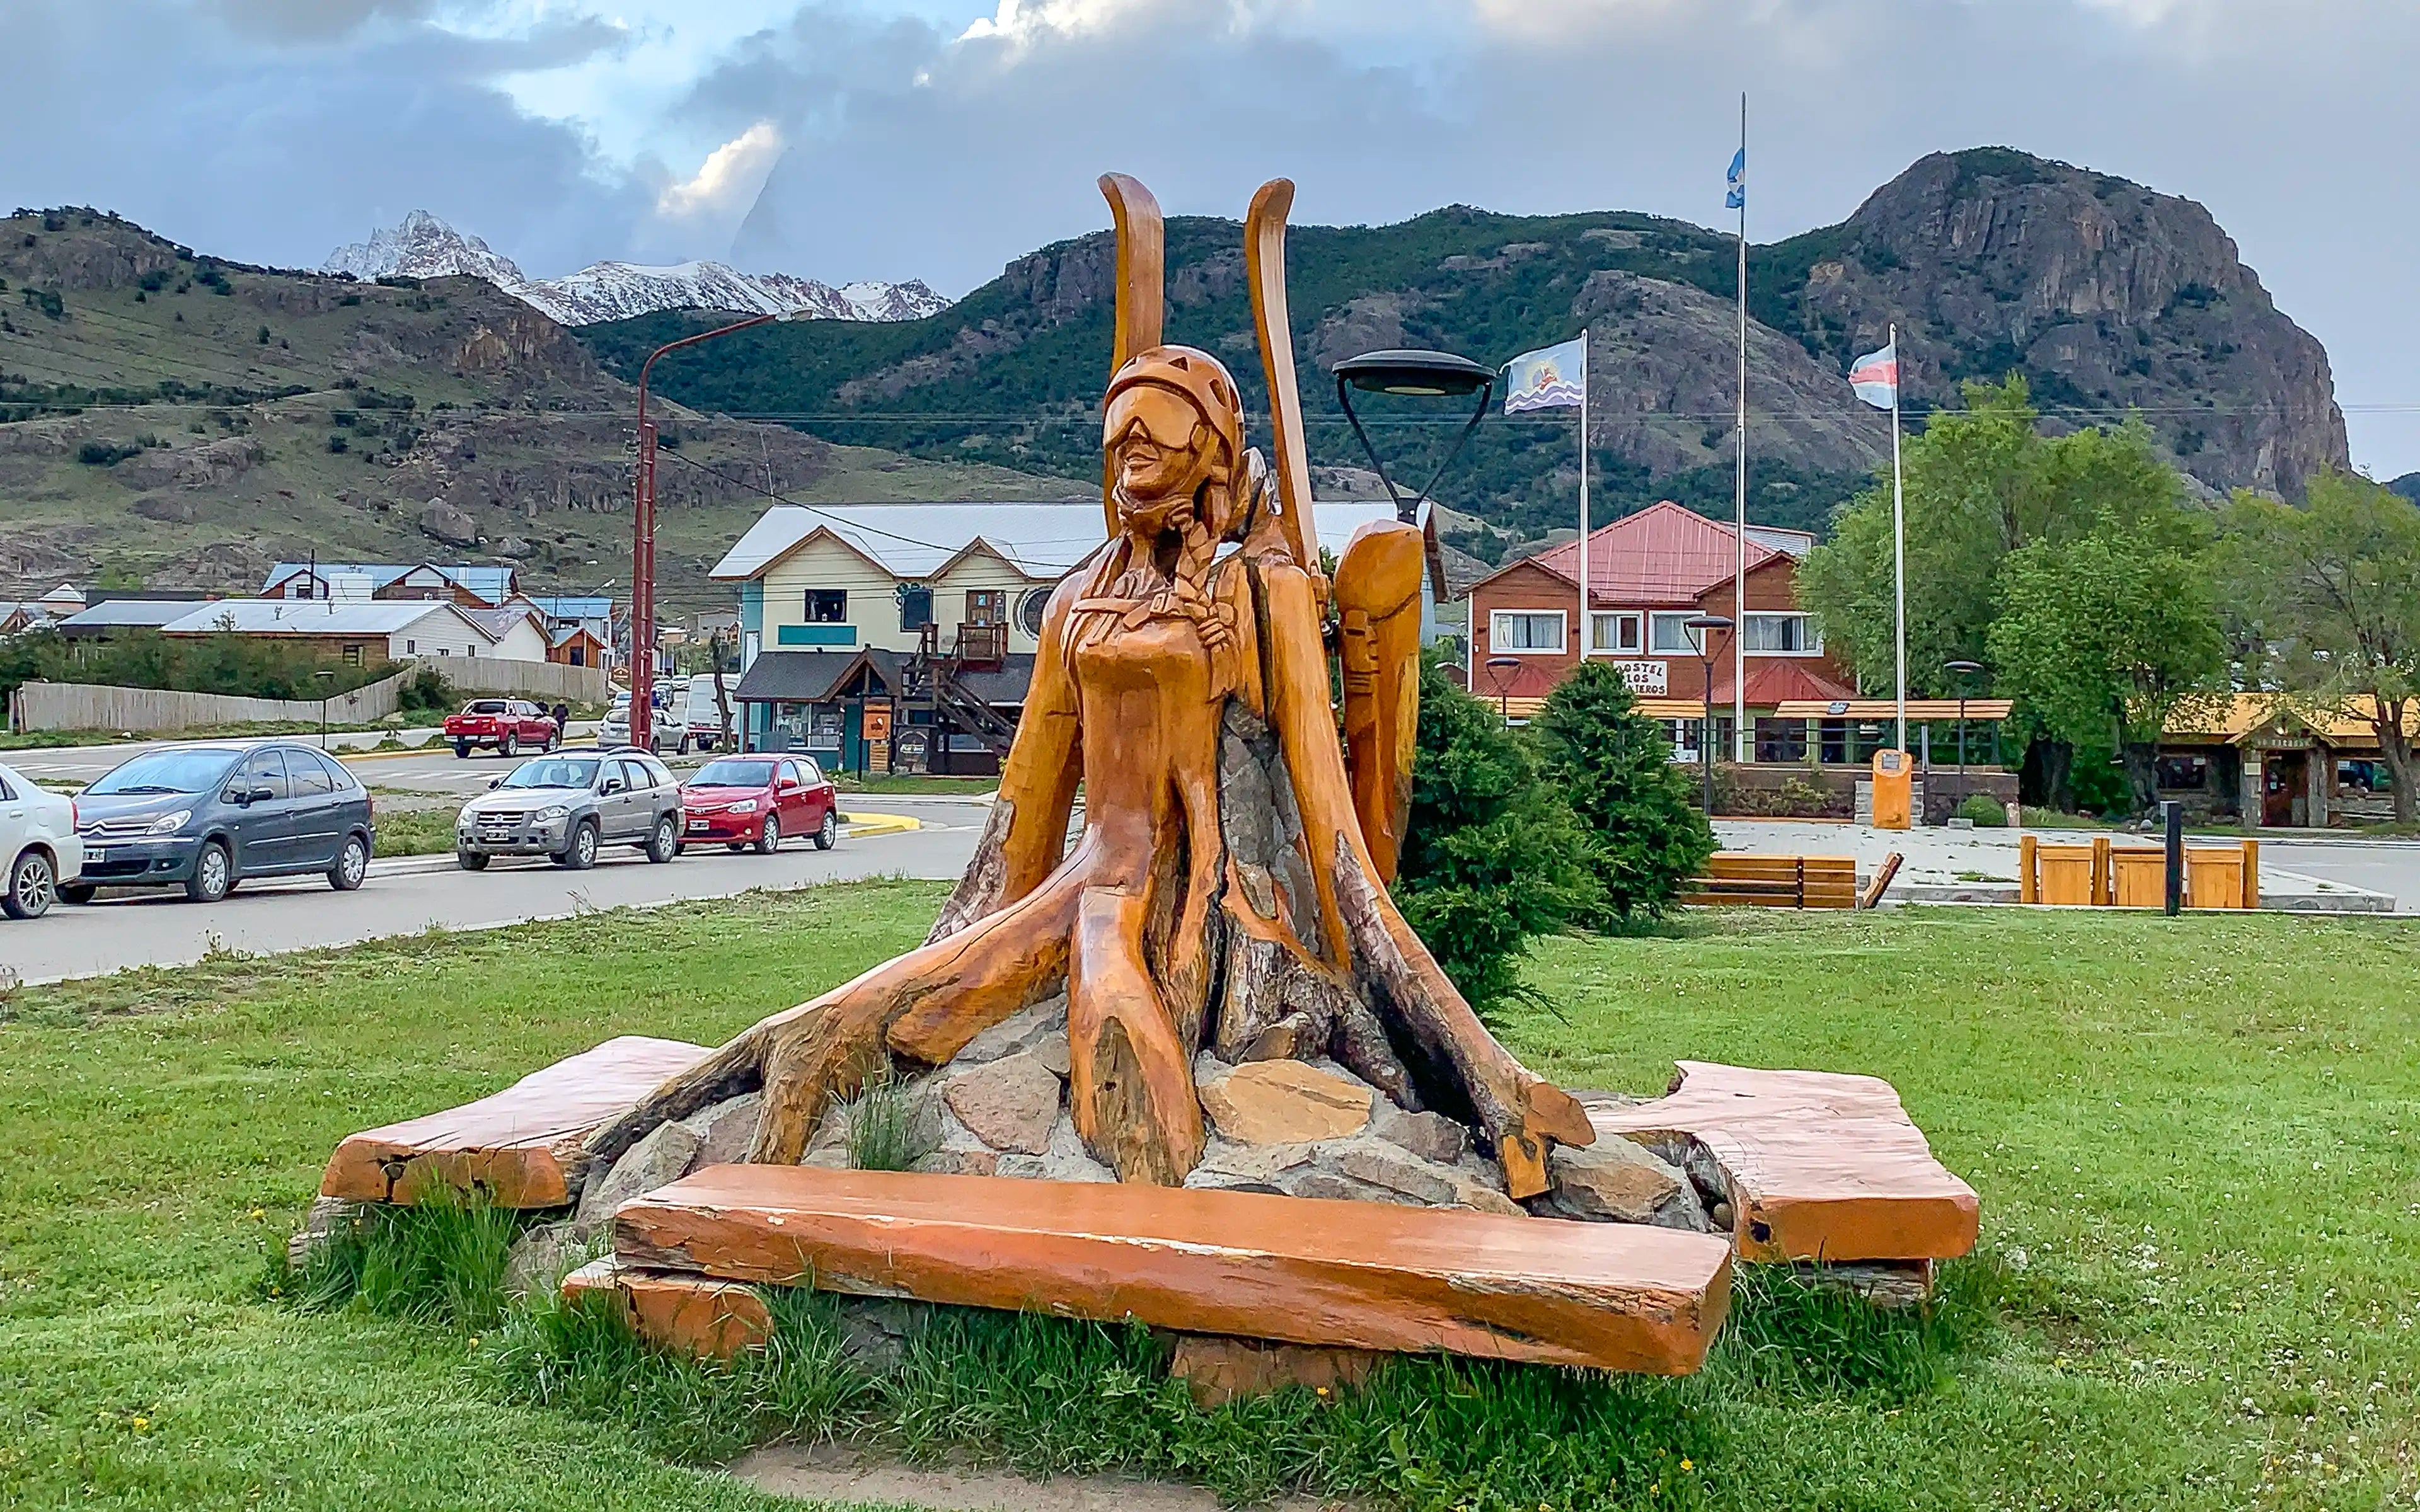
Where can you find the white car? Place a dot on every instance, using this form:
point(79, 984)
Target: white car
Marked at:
point(38, 843)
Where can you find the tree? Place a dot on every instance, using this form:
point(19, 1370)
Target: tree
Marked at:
point(2101, 638)
point(1613, 765)
point(2330, 598)
point(1982, 482)
point(1491, 854)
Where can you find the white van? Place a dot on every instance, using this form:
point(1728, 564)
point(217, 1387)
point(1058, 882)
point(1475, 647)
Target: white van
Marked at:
point(693, 719)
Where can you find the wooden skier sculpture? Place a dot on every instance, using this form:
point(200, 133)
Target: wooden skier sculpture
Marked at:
point(1228, 890)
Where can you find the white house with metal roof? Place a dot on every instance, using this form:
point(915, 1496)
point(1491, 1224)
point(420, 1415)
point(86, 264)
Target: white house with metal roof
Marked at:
point(362, 631)
point(473, 587)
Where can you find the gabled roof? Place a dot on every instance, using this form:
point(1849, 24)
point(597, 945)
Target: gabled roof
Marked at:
point(1663, 554)
point(2233, 718)
point(127, 613)
point(310, 616)
point(571, 605)
point(570, 632)
point(916, 541)
point(494, 584)
point(496, 623)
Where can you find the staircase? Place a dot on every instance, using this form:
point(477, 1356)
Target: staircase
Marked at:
point(931, 678)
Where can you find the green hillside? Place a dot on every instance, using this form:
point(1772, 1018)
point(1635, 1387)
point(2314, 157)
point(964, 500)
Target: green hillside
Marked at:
point(2109, 297)
point(173, 420)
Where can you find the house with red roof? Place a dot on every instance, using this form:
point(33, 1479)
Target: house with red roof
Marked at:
point(1648, 574)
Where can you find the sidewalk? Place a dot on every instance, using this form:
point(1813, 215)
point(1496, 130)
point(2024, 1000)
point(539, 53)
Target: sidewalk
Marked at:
point(1980, 866)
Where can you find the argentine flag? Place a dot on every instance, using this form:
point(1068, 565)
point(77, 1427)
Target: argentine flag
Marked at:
point(1737, 182)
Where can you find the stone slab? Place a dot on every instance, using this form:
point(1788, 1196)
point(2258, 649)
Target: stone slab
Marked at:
point(686, 1314)
point(1820, 1166)
point(1301, 1271)
point(520, 1147)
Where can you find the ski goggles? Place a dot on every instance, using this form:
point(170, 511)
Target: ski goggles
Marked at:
point(1166, 416)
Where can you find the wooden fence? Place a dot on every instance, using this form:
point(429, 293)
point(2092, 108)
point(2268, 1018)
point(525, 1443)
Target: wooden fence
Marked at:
point(152, 710)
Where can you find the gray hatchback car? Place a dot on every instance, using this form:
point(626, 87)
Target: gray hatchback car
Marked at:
point(568, 803)
point(209, 815)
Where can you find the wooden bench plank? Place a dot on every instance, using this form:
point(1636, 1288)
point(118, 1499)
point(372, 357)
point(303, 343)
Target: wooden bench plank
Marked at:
point(1822, 1167)
point(1336, 1274)
point(520, 1147)
point(687, 1314)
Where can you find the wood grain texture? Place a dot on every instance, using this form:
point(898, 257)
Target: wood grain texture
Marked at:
point(1332, 1275)
point(521, 1148)
point(1821, 1166)
point(1378, 648)
point(677, 1311)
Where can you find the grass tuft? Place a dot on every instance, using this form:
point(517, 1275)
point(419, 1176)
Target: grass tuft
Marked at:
point(889, 1127)
point(442, 1262)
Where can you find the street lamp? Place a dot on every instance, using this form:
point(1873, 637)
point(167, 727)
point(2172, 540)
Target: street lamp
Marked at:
point(1498, 668)
point(1703, 625)
point(1414, 374)
point(643, 537)
point(1961, 671)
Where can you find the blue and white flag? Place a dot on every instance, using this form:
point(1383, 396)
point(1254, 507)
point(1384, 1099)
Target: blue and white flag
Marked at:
point(1736, 182)
point(1551, 377)
point(1875, 377)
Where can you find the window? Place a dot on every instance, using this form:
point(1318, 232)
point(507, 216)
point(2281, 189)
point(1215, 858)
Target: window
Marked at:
point(1029, 613)
point(827, 605)
point(915, 607)
point(263, 769)
point(1782, 635)
point(1525, 630)
point(352, 653)
point(1671, 633)
point(1616, 633)
point(1780, 740)
point(472, 650)
point(7, 794)
point(810, 772)
point(339, 781)
point(2184, 771)
point(411, 648)
point(309, 779)
point(987, 606)
point(658, 774)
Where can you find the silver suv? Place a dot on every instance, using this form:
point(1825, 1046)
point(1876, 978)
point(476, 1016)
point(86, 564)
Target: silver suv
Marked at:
point(567, 804)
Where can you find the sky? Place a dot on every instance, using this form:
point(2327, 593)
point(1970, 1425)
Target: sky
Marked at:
point(938, 139)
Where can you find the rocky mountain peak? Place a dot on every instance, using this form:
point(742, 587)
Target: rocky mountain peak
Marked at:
point(423, 246)
point(2111, 297)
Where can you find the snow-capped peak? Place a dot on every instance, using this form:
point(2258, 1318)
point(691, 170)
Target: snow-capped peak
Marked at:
point(424, 246)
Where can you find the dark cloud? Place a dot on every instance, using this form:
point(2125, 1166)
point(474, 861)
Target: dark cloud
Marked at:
point(278, 151)
point(911, 154)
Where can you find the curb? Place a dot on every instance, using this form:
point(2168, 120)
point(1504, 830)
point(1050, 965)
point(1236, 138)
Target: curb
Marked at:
point(863, 825)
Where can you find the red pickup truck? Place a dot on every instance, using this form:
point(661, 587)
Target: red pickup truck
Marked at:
point(507, 724)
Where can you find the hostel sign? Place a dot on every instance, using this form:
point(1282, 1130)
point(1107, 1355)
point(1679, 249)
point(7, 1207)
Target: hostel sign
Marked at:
point(1649, 678)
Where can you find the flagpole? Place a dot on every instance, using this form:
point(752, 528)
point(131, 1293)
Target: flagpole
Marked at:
point(1740, 747)
point(1585, 624)
point(1899, 545)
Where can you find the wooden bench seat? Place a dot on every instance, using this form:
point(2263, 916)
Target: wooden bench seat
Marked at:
point(1746, 878)
point(1820, 1166)
point(520, 1147)
point(1302, 1271)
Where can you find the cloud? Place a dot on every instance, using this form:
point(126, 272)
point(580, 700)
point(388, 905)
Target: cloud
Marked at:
point(728, 182)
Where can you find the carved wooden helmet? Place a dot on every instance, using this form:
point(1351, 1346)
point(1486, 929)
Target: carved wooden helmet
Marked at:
point(1197, 376)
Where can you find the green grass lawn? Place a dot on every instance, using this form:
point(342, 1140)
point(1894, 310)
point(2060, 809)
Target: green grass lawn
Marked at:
point(2195, 1142)
point(416, 831)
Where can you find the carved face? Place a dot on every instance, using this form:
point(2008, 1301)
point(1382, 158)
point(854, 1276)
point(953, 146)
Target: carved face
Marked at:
point(1160, 452)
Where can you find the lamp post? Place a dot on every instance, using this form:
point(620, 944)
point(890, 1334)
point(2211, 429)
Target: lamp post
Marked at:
point(1498, 668)
point(1414, 374)
point(1961, 671)
point(1703, 625)
point(643, 537)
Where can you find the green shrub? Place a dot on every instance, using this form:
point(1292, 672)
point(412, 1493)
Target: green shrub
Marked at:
point(1985, 811)
point(105, 453)
point(1493, 854)
point(1614, 767)
point(889, 1128)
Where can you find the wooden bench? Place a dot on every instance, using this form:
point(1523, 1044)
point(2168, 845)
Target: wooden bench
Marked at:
point(1820, 1166)
point(520, 1147)
point(1357, 1275)
point(1736, 878)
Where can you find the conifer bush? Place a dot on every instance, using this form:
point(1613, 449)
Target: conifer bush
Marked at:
point(1614, 766)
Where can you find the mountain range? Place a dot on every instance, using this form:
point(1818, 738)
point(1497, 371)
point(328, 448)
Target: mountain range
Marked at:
point(2108, 298)
point(424, 246)
point(169, 418)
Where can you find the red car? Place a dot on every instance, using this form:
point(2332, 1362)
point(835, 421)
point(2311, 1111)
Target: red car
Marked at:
point(507, 724)
point(756, 800)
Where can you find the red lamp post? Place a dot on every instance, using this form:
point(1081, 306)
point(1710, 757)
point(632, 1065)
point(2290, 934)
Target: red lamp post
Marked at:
point(643, 540)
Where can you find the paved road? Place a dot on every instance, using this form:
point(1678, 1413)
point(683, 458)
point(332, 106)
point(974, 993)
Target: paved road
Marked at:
point(404, 897)
point(436, 769)
point(2391, 866)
